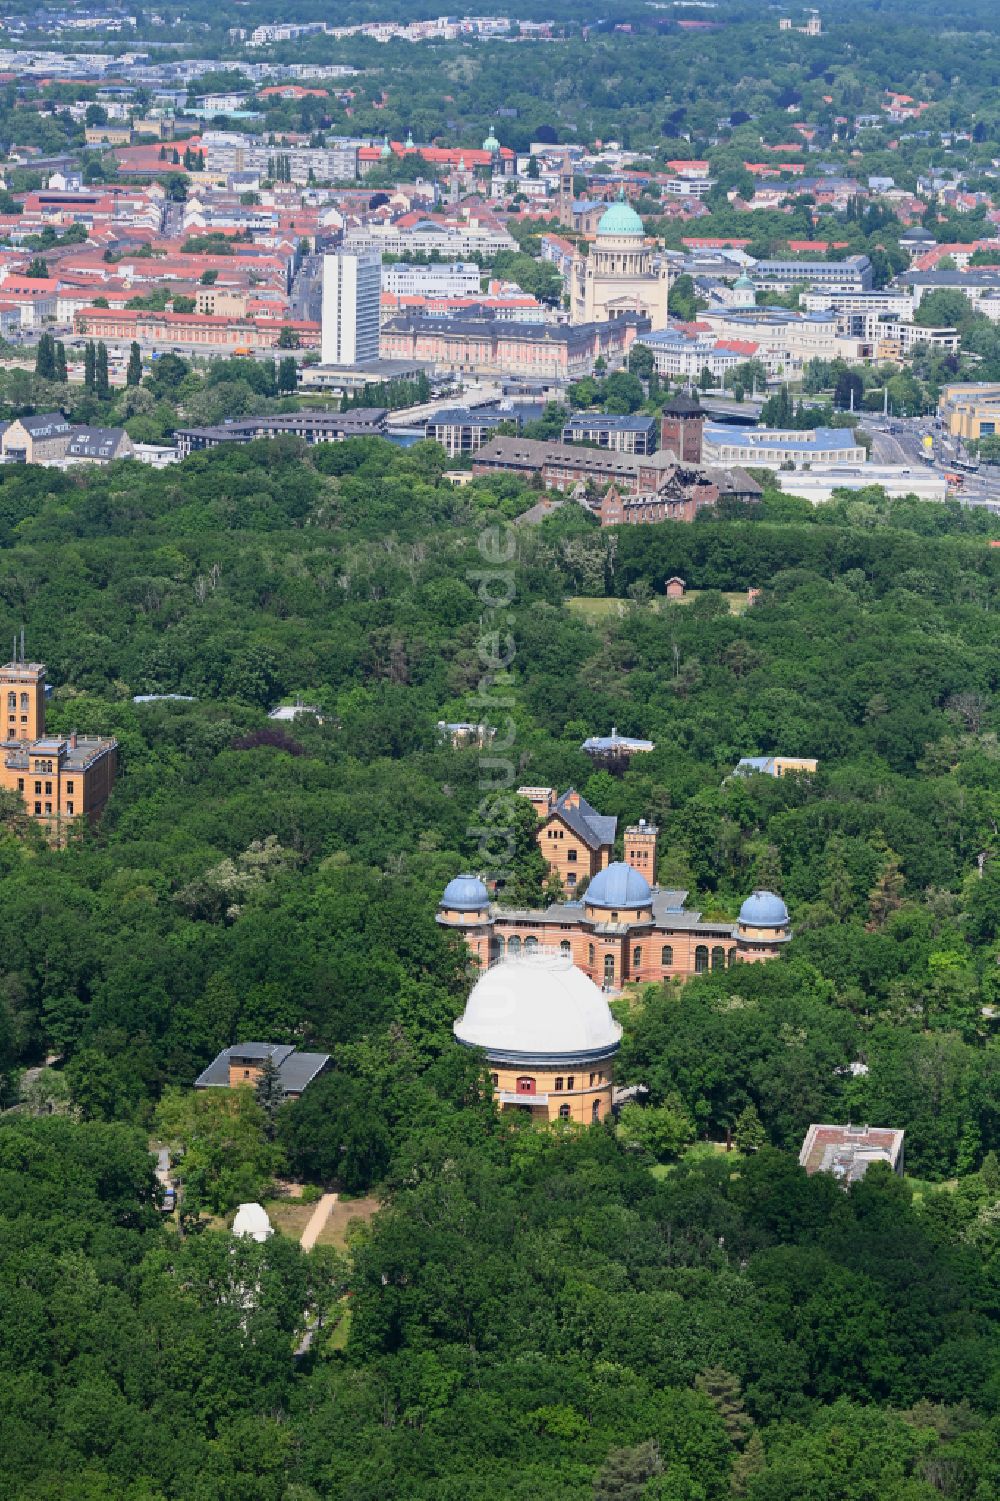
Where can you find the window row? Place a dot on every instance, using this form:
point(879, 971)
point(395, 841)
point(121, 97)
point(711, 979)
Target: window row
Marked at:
point(12, 701)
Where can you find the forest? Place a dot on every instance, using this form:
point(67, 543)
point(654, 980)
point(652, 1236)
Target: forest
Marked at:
point(624, 1311)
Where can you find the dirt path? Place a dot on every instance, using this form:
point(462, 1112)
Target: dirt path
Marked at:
point(317, 1220)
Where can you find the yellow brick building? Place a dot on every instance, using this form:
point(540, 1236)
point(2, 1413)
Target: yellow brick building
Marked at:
point(59, 778)
point(549, 1037)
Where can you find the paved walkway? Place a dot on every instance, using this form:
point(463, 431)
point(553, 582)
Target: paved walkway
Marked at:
point(317, 1220)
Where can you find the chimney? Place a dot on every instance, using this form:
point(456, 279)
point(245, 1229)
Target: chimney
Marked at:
point(72, 739)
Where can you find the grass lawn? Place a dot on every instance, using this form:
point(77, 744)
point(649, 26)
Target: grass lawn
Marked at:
point(289, 1216)
point(598, 610)
point(334, 1232)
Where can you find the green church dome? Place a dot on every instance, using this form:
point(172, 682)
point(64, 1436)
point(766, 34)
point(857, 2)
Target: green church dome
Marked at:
point(491, 143)
point(620, 219)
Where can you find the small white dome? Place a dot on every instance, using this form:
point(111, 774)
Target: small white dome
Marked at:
point(252, 1221)
point(538, 1007)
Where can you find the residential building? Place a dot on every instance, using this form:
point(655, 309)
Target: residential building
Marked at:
point(685, 352)
point(770, 448)
point(352, 286)
point(36, 440)
point(620, 929)
point(632, 434)
point(241, 1066)
point(575, 840)
point(61, 779)
point(877, 301)
point(549, 1037)
point(311, 427)
point(461, 431)
point(981, 287)
point(775, 766)
point(614, 749)
point(853, 274)
point(847, 1152)
point(783, 340)
point(99, 445)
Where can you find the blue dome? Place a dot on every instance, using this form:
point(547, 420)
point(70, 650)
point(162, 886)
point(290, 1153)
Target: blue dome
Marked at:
point(620, 219)
point(465, 894)
point(618, 886)
point(764, 910)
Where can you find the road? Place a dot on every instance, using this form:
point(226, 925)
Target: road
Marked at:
point(477, 394)
point(900, 440)
point(317, 1221)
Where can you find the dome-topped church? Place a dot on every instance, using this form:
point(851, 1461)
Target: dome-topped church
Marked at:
point(548, 1035)
point(618, 275)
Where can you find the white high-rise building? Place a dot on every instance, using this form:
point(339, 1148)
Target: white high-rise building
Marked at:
point(352, 288)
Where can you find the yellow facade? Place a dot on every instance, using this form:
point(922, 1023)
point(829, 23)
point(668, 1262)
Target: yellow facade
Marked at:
point(972, 410)
point(59, 778)
point(574, 1092)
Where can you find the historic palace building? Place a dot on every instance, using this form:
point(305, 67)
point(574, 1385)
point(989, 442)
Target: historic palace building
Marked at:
point(60, 778)
point(549, 1038)
point(618, 275)
point(621, 929)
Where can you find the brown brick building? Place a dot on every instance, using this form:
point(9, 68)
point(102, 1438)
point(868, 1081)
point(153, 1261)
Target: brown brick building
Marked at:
point(622, 929)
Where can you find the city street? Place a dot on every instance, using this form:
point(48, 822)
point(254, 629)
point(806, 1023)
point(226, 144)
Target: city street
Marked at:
point(900, 440)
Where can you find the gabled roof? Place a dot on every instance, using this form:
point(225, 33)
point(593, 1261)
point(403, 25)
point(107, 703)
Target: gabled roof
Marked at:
point(295, 1069)
point(45, 424)
point(595, 829)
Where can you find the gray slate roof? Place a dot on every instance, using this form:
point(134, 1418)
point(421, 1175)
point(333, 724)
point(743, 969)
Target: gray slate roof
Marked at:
point(595, 829)
point(295, 1069)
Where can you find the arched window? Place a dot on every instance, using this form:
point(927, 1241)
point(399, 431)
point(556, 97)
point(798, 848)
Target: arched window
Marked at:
point(530, 945)
point(732, 957)
point(595, 1111)
point(609, 969)
point(700, 959)
point(513, 945)
point(667, 956)
point(499, 945)
point(636, 959)
point(564, 948)
point(590, 955)
point(718, 957)
point(564, 1112)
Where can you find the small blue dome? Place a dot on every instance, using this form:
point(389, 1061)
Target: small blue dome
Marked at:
point(618, 886)
point(465, 894)
point(764, 910)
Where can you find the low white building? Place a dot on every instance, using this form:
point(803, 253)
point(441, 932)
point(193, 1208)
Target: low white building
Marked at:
point(771, 448)
point(819, 482)
point(439, 279)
